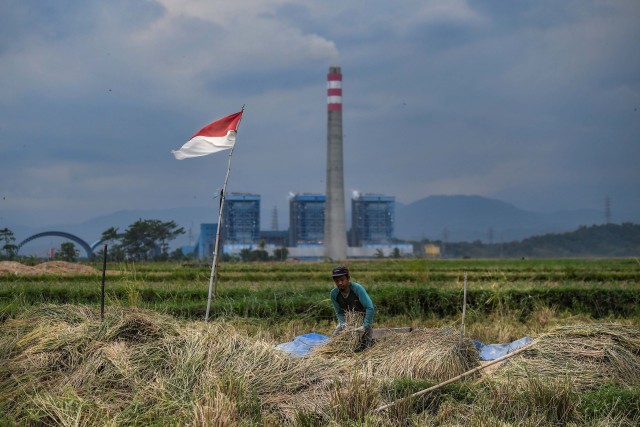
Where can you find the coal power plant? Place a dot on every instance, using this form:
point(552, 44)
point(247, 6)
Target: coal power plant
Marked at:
point(335, 229)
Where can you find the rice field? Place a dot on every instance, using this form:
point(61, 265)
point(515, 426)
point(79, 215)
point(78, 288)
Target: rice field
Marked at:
point(154, 361)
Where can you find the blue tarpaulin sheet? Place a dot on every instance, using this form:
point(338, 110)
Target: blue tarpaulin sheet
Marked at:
point(493, 351)
point(302, 344)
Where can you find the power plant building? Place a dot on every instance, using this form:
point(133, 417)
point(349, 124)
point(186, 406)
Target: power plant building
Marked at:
point(241, 219)
point(207, 240)
point(372, 219)
point(306, 219)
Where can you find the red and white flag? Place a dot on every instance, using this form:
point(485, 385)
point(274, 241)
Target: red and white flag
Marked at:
point(217, 136)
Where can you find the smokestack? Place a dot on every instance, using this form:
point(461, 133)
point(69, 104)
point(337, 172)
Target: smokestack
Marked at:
point(335, 229)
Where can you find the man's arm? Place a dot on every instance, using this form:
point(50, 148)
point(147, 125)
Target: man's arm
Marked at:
point(336, 307)
point(362, 295)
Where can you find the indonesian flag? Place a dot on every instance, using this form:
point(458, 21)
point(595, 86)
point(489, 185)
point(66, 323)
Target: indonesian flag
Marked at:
point(217, 136)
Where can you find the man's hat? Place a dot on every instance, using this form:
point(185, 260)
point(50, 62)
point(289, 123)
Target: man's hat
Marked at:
point(340, 271)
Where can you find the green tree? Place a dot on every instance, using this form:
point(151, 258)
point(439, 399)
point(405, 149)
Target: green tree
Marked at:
point(9, 249)
point(67, 252)
point(178, 255)
point(148, 239)
point(259, 255)
point(110, 234)
point(245, 255)
point(280, 254)
point(111, 238)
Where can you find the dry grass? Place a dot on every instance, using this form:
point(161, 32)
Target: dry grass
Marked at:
point(588, 355)
point(62, 366)
point(138, 359)
point(50, 267)
point(431, 354)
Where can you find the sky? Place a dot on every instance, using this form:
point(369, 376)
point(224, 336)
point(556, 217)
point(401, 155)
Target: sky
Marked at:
point(534, 103)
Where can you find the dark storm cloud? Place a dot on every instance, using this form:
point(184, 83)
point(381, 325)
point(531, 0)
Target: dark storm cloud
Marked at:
point(530, 102)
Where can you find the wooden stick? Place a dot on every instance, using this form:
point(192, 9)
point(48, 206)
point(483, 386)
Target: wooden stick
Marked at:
point(104, 269)
point(464, 306)
point(449, 381)
point(213, 286)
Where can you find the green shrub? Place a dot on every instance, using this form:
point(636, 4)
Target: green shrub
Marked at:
point(611, 399)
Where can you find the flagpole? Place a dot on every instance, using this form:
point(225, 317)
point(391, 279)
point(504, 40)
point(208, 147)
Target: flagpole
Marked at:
point(216, 247)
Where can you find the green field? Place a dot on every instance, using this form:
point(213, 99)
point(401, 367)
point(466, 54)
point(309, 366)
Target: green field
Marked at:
point(524, 294)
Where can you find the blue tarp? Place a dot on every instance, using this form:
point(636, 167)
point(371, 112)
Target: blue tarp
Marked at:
point(493, 351)
point(302, 344)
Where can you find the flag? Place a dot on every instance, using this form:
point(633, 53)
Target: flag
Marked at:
point(217, 136)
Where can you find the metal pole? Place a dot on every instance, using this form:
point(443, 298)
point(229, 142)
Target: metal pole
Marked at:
point(104, 269)
point(464, 306)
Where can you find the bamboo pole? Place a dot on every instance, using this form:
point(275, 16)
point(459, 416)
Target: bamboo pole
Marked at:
point(104, 269)
point(449, 381)
point(464, 306)
point(214, 263)
point(216, 247)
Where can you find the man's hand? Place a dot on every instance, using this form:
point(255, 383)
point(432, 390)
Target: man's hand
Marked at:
point(359, 329)
point(338, 330)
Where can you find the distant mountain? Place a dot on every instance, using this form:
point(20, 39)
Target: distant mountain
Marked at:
point(470, 218)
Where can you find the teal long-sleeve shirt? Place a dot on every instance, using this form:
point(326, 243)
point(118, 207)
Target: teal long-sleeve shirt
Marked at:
point(362, 297)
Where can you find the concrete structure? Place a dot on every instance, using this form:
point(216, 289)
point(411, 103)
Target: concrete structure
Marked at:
point(241, 219)
point(335, 229)
point(206, 241)
point(372, 219)
point(306, 219)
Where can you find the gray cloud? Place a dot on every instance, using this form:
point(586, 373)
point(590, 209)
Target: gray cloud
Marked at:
point(531, 102)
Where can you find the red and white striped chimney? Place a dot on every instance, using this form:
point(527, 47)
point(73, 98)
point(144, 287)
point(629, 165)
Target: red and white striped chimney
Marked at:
point(334, 90)
point(335, 234)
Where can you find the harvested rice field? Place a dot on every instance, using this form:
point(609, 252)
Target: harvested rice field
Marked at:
point(149, 364)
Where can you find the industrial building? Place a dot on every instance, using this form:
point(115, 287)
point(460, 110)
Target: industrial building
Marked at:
point(206, 241)
point(241, 219)
point(317, 222)
point(306, 219)
point(372, 219)
point(371, 233)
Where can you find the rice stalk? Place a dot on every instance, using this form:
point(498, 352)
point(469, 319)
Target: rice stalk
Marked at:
point(589, 355)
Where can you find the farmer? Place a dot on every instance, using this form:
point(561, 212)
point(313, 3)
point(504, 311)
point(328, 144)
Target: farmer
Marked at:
point(351, 296)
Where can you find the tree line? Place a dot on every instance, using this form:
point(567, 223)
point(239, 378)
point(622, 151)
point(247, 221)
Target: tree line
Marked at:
point(608, 240)
point(144, 240)
point(148, 240)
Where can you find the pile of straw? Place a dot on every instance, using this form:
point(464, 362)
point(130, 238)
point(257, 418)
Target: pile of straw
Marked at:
point(56, 267)
point(345, 343)
point(61, 363)
point(589, 356)
point(430, 354)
